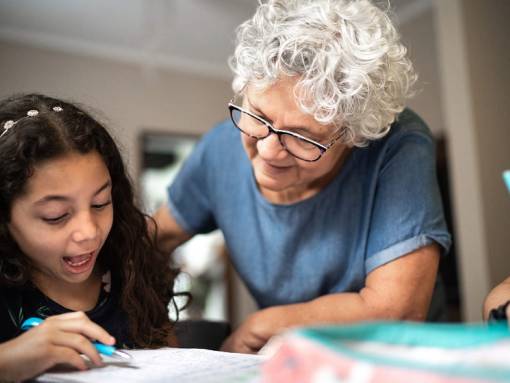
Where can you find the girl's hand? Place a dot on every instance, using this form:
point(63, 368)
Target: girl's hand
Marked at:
point(59, 339)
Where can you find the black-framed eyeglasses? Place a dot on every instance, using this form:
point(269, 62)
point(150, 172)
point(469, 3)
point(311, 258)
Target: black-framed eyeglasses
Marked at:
point(297, 145)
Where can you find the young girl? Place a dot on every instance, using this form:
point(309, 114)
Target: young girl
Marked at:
point(73, 246)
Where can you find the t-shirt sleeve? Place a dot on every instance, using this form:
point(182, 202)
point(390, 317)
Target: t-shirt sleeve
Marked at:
point(188, 195)
point(407, 212)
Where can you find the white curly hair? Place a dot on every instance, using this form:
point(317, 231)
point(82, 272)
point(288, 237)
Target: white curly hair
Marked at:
point(353, 70)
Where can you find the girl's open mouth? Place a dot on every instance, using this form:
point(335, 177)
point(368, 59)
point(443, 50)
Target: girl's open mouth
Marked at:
point(80, 263)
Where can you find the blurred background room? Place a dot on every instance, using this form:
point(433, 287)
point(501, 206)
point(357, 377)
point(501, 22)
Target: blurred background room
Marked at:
point(156, 73)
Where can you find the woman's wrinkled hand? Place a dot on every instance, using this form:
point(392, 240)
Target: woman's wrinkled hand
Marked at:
point(256, 330)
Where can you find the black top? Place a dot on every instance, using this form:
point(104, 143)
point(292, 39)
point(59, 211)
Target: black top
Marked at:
point(18, 304)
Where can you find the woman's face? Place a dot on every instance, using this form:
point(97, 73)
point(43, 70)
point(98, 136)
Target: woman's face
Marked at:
point(281, 177)
point(64, 217)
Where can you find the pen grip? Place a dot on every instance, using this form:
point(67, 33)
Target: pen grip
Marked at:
point(104, 349)
point(31, 322)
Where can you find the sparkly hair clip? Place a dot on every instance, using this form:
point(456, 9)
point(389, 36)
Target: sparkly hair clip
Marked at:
point(31, 113)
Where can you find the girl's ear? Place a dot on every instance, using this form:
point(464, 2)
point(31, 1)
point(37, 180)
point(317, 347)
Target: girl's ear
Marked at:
point(6, 239)
point(4, 231)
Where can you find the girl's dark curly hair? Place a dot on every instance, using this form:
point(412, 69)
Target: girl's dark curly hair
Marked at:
point(147, 279)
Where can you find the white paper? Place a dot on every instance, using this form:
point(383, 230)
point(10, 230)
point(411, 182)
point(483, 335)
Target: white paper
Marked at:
point(169, 365)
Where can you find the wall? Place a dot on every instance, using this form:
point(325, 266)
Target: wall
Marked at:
point(418, 36)
point(474, 57)
point(129, 97)
point(487, 36)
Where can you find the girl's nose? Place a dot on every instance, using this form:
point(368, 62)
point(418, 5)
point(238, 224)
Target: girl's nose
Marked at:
point(86, 228)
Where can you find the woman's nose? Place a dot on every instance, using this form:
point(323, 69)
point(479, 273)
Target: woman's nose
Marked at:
point(270, 147)
point(86, 228)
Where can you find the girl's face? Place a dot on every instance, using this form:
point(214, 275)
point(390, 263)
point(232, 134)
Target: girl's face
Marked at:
point(64, 217)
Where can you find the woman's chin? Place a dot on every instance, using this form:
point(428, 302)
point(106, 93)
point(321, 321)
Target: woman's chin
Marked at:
point(272, 184)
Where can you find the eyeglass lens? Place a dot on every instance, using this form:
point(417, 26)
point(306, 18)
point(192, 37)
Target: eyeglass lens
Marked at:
point(296, 146)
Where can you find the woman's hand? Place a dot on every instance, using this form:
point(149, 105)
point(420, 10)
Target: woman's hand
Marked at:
point(256, 330)
point(59, 339)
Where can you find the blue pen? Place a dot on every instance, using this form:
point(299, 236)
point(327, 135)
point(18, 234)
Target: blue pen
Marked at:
point(506, 178)
point(100, 347)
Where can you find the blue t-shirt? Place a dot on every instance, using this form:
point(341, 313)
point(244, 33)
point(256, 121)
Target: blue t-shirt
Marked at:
point(383, 204)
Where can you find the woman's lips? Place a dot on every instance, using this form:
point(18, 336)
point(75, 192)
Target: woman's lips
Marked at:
point(273, 169)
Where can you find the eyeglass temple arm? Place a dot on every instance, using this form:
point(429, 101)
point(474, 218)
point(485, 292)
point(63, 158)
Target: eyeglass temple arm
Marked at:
point(342, 133)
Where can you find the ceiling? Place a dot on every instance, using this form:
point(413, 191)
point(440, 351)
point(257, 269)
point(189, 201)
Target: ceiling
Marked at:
point(190, 35)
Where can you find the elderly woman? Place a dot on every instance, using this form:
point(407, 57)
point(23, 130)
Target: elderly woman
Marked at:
point(323, 185)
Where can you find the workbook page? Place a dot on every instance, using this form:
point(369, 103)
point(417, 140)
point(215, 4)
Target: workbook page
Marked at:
point(168, 365)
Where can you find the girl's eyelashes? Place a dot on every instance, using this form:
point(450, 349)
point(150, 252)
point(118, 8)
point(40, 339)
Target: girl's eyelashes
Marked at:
point(101, 205)
point(63, 217)
point(53, 221)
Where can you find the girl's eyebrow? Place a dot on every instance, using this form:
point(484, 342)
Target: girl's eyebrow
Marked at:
point(105, 186)
point(57, 197)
